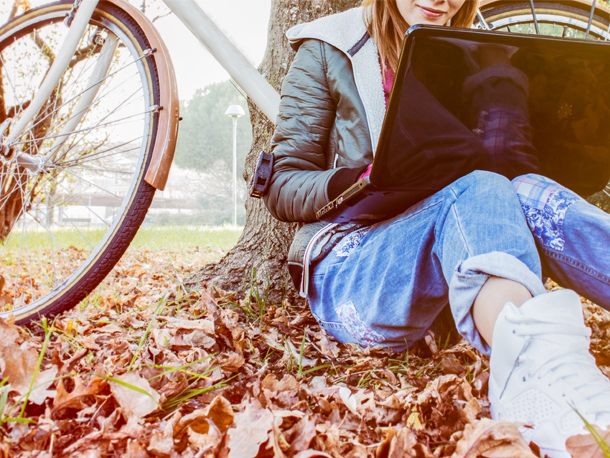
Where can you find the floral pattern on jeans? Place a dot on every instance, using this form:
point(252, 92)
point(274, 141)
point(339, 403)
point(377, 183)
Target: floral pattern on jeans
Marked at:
point(547, 225)
point(350, 242)
point(354, 324)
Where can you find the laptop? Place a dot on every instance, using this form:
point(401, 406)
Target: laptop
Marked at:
point(569, 110)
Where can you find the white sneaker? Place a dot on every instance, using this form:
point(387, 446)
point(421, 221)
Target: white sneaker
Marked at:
point(541, 371)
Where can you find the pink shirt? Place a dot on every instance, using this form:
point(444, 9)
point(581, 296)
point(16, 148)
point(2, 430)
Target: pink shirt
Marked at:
point(387, 88)
point(387, 84)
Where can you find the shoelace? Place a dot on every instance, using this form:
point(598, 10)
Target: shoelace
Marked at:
point(561, 364)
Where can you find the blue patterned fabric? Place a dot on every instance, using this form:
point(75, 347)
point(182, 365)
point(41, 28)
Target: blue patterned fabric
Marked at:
point(534, 190)
point(352, 321)
point(547, 224)
point(350, 242)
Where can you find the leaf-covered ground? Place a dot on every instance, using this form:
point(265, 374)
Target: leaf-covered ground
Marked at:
point(145, 368)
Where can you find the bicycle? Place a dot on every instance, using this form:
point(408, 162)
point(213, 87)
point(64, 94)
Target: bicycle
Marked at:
point(89, 116)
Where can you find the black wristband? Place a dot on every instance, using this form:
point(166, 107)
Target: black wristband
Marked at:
point(342, 179)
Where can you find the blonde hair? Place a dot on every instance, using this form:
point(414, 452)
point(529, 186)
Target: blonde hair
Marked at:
point(387, 26)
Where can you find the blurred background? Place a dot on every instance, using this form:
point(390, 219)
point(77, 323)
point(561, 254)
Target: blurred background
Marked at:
point(200, 187)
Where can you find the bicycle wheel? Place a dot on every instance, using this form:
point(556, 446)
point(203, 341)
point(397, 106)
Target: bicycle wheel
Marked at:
point(63, 227)
point(571, 20)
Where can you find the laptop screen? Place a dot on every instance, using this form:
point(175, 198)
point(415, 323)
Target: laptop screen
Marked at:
point(568, 103)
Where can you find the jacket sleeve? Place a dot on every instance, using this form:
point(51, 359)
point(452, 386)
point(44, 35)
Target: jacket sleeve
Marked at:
point(301, 184)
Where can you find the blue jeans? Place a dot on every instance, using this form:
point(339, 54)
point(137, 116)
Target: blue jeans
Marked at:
point(385, 284)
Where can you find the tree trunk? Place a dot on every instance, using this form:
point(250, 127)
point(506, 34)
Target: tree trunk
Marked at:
point(260, 256)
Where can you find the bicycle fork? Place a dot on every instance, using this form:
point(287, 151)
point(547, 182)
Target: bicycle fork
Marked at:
point(79, 22)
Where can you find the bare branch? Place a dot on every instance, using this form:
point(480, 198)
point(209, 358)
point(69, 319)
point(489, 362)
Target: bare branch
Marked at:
point(162, 16)
point(46, 50)
point(25, 4)
point(84, 53)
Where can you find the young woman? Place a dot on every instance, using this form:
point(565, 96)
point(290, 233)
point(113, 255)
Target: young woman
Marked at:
point(481, 244)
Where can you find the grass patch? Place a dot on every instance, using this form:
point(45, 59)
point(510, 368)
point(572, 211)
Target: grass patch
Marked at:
point(148, 237)
point(155, 237)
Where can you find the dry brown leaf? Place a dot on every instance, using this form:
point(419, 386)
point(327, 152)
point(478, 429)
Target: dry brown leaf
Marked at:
point(75, 399)
point(304, 431)
point(17, 365)
point(132, 402)
point(9, 333)
point(451, 365)
point(251, 429)
point(219, 412)
point(288, 383)
point(135, 450)
point(233, 362)
point(493, 439)
point(585, 445)
point(470, 412)
point(206, 326)
point(312, 454)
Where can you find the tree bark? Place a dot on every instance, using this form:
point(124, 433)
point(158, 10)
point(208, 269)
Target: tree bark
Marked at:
point(260, 256)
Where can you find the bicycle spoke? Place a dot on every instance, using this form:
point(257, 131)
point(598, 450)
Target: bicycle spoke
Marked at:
point(73, 98)
point(124, 104)
point(96, 125)
point(88, 129)
point(590, 18)
point(71, 222)
point(70, 173)
point(9, 80)
point(79, 199)
point(535, 17)
point(97, 156)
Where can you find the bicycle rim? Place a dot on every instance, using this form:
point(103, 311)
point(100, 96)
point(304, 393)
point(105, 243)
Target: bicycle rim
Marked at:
point(546, 18)
point(77, 216)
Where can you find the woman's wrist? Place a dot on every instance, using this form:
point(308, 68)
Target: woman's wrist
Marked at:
point(342, 179)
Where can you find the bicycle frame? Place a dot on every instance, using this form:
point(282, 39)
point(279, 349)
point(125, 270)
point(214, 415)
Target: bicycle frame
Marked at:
point(240, 69)
point(199, 23)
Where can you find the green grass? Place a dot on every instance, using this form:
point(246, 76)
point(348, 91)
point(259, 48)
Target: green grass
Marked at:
point(148, 237)
point(155, 237)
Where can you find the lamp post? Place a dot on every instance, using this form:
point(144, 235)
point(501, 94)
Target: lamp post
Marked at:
point(235, 112)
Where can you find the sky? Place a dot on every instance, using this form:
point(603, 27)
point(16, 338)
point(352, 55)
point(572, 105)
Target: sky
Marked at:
point(244, 21)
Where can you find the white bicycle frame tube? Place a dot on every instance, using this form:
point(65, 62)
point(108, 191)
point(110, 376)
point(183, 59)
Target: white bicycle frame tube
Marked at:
point(81, 19)
point(226, 53)
point(100, 71)
point(197, 21)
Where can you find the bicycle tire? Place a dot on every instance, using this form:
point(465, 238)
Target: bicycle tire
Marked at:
point(499, 14)
point(91, 271)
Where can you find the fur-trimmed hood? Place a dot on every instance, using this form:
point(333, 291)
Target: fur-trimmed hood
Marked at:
point(347, 32)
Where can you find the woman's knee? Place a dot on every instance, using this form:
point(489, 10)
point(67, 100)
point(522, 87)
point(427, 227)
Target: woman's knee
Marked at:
point(484, 183)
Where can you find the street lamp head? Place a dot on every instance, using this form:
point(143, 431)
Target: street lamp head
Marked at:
point(235, 111)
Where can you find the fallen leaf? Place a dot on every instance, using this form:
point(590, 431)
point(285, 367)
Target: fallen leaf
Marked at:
point(206, 326)
point(413, 421)
point(288, 383)
point(219, 412)
point(312, 454)
point(585, 445)
point(233, 362)
point(348, 399)
point(302, 434)
point(251, 429)
point(492, 439)
point(133, 402)
point(451, 365)
point(76, 398)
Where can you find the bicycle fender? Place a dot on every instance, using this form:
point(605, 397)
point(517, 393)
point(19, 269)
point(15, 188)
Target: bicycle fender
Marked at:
point(165, 142)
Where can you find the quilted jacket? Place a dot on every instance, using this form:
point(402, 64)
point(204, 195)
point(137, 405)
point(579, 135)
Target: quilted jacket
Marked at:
point(330, 117)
